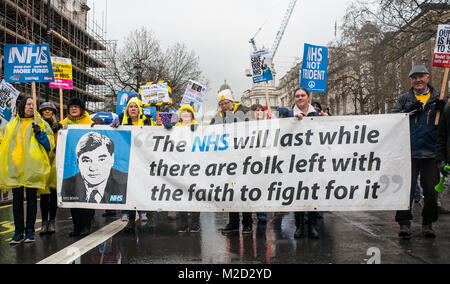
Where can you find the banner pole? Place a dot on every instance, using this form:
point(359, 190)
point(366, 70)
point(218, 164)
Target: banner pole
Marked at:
point(33, 91)
point(267, 100)
point(443, 94)
point(61, 105)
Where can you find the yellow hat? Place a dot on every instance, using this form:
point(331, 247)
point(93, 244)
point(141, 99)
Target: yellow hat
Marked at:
point(186, 107)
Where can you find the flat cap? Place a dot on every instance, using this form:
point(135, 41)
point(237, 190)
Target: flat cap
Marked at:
point(418, 69)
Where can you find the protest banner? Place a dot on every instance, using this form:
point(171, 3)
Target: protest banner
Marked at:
point(194, 95)
point(8, 98)
point(25, 63)
point(442, 49)
point(62, 70)
point(442, 58)
point(122, 99)
point(319, 164)
point(313, 75)
point(261, 64)
point(156, 93)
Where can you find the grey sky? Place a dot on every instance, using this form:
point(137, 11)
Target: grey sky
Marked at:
point(219, 31)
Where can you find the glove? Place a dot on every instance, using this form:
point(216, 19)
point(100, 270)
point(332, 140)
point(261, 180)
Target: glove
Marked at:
point(115, 123)
point(194, 127)
point(43, 140)
point(415, 106)
point(36, 129)
point(168, 126)
point(440, 105)
point(441, 166)
point(56, 127)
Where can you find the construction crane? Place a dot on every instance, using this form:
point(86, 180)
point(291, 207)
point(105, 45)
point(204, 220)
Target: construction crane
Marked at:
point(280, 32)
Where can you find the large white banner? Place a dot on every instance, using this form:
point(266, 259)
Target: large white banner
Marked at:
point(354, 163)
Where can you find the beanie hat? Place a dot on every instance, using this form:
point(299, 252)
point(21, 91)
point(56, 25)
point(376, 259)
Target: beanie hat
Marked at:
point(76, 102)
point(226, 95)
point(186, 107)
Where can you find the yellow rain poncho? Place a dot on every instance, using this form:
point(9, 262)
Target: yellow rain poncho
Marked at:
point(52, 178)
point(23, 160)
point(84, 119)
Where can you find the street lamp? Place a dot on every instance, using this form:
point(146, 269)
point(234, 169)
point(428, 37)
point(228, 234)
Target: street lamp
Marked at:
point(138, 69)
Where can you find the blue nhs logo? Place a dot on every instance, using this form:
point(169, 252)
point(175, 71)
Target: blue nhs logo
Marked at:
point(116, 198)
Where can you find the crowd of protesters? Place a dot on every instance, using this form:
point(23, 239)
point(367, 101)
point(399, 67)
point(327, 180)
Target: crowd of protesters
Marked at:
point(27, 157)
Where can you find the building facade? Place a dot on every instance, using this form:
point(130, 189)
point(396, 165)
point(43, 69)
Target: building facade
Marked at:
point(72, 36)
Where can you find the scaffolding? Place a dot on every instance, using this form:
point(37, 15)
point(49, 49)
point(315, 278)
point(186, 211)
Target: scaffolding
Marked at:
point(72, 36)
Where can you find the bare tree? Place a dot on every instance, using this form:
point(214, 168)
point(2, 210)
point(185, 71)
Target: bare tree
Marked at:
point(355, 61)
point(142, 59)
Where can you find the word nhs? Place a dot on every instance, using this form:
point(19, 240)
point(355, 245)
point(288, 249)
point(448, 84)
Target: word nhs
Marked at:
point(24, 55)
point(211, 142)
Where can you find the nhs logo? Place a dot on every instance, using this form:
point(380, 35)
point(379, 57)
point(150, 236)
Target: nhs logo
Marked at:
point(116, 198)
point(29, 54)
point(28, 63)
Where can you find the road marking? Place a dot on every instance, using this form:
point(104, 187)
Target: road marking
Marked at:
point(75, 251)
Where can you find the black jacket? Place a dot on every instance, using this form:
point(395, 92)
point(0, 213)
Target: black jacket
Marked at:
point(74, 189)
point(443, 139)
point(422, 124)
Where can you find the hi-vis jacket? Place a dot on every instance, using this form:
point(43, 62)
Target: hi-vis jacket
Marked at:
point(23, 160)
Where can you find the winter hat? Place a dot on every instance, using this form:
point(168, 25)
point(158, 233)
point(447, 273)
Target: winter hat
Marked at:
point(418, 69)
point(76, 102)
point(47, 105)
point(186, 107)
point(226, 95)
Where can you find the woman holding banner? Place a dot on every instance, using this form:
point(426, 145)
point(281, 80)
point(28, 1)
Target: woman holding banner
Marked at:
point(49, 202)
point(187, 118)
point(134, 116)
point(25, 165)
point(301, 109)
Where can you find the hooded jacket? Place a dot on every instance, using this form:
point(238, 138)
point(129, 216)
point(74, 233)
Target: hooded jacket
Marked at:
point(143, 120)
point(23, 160)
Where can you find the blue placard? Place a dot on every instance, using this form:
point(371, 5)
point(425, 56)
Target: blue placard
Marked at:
point(122, 99)
point(150, 111)
point(313, 76)
point(120, 139)
point(26, 63)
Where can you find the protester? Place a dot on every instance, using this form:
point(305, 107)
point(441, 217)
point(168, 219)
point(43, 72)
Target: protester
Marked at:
point(77, 115)
point(49, 204)
point(258, 114)
point(25, 165)
point(187, 118)
point(421, 102)
point(133, 115)
point(302, 109)
point(443, 148)
point(231, 112)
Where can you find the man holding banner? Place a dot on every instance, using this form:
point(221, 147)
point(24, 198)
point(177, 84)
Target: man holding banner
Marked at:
point(422, 102)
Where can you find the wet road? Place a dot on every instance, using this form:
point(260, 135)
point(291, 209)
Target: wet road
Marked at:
point(355, 237)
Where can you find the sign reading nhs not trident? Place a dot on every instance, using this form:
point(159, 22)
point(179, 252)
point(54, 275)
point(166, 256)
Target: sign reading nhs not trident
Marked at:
point(28, 63)
point(314, 69)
